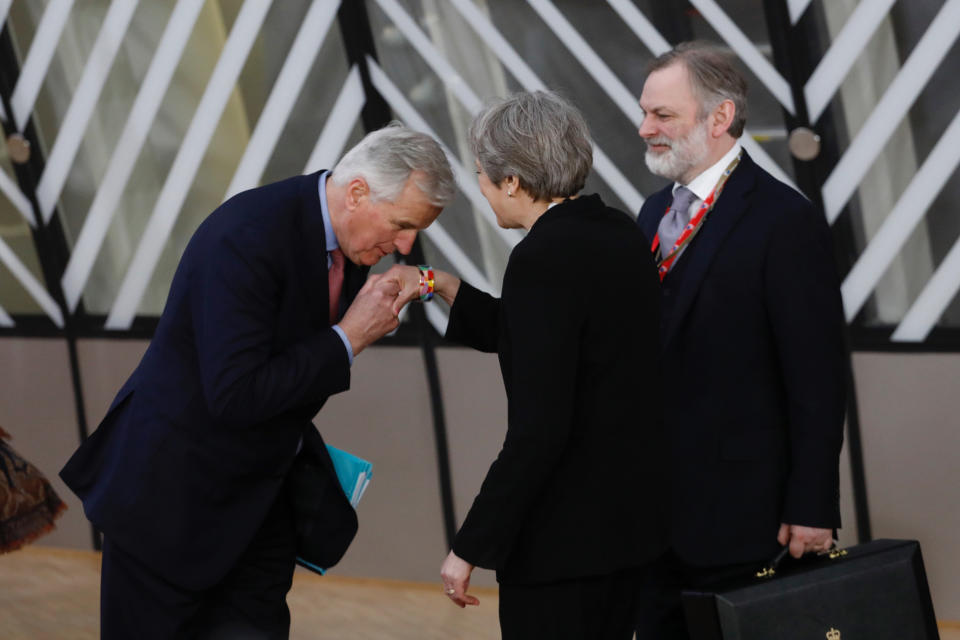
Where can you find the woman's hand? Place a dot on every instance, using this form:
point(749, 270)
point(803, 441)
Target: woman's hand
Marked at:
point(407, 279)
point(455, 573)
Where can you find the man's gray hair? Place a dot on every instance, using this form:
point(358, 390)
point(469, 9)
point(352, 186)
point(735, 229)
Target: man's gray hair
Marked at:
point(713, 77)
point(538, 137)
point(385, 158)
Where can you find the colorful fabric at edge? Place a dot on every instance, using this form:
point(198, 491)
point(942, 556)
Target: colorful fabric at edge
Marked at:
point(28, 504)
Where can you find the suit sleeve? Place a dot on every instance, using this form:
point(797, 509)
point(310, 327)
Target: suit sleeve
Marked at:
point(475, 319)
point(543, 322)
point(236, 290)
point(803, 301)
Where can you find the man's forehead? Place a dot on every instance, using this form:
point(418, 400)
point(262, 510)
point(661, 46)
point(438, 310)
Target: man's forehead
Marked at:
point(409, 211)
point(666, 88)
point(423, 216)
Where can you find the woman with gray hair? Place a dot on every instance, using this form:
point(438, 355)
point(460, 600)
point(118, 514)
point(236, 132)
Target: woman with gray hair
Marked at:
point(567, 514)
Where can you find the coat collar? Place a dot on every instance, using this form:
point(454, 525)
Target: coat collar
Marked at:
point(719, 223)
point(570, 207)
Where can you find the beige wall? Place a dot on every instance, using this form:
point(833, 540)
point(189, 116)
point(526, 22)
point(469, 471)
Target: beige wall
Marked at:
point(37, 408)
point(910, 424)
point(909, 410)
point(385, 418)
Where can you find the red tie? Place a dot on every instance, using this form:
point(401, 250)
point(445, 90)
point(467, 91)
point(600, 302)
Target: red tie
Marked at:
point(335, 280)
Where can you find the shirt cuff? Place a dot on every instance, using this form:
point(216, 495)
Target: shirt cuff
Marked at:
point(346, 342)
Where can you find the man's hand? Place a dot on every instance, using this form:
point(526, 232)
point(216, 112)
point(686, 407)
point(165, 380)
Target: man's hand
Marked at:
point(455, 573)
point(371, 315)
point(407, 280)
point(803, 539)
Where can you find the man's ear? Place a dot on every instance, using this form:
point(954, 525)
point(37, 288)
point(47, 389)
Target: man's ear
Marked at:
point(357, 190)
point(722, 118)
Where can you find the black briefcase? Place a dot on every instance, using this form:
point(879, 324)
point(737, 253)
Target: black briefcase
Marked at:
point(873, 591)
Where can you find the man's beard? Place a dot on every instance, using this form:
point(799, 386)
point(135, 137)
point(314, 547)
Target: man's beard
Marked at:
point(684, 154)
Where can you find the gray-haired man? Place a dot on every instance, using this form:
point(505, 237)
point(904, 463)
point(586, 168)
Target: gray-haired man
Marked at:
point(198, 470)
point(751, 336)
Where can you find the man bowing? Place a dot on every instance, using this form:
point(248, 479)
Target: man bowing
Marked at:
point(198, 471)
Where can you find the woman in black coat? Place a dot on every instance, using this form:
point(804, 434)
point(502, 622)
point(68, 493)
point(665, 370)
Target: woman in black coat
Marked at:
point(574, 505)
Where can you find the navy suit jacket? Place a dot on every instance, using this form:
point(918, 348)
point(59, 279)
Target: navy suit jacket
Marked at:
point(754, 364)
point(194, 449)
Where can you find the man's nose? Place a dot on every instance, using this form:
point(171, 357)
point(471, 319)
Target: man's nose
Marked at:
point(404, 241)
point(646, 130)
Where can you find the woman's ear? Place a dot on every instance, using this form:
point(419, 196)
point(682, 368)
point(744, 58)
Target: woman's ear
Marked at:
point(512, 185)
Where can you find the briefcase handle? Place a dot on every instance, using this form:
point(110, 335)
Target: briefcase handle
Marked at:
point(771, 567)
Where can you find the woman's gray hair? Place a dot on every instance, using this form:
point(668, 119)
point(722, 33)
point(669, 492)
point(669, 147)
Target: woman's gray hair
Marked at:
point(713, 77)
point(538, 137)
point(385, 159)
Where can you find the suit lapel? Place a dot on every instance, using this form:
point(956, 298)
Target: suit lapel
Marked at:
point(722, 219)
point(312, 256)
point(653, 210)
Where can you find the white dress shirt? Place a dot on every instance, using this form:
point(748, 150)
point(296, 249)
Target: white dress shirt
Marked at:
point(704, 183)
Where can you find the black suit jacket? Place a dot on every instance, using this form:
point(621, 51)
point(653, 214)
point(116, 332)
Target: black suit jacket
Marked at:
point(577, 488)
point(195, 447)
point(754, 359)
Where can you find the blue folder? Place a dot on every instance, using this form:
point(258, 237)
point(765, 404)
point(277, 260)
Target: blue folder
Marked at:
point(354, 475)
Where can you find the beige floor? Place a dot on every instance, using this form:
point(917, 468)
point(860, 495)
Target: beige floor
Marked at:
point(48, 594)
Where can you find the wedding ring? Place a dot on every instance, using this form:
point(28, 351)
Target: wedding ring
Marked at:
point(450, 592)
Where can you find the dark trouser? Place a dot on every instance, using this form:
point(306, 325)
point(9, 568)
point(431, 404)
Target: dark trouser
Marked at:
point(249, 603)
point(659, 612)
point(599, 608)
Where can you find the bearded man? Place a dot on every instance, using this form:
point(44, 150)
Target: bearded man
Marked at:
point(751, 337)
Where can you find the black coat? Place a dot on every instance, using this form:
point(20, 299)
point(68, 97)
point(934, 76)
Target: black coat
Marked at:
point(753, 356)
point(197, 444)
point(578, 488)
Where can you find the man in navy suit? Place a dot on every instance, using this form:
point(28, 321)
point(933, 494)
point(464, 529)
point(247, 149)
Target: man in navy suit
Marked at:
point(751, 338)
point(199, 472)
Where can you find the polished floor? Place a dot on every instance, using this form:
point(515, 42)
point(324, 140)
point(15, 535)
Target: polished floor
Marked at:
point(48, 594)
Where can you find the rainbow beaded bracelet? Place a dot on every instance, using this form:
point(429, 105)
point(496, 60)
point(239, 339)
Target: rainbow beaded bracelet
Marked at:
point(426, 282)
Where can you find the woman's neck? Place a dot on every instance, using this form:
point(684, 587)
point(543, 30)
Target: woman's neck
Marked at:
point(539, 207)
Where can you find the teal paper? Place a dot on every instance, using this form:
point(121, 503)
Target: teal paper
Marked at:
point(354, 475)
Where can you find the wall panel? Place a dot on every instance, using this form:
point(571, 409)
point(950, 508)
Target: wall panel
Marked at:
point(385, 418)
point(476, 413)
point(910, 422)
point(37, 409)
